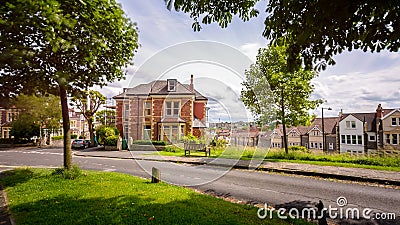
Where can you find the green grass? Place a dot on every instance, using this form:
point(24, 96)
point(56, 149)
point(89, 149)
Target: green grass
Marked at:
point(279, 155)
point(43, 196)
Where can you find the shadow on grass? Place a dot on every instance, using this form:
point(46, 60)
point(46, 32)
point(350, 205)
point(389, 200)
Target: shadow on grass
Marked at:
point(14, 177)
point(129, 210)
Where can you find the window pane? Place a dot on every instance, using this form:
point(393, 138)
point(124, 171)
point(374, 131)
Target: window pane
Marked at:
point(387, 138)
point(353, 124)
point(176, 111)
point(353, 139)
point(359, 138)
point(394, 139)
point(348, 124)
point(343, 139)
point(348, 140)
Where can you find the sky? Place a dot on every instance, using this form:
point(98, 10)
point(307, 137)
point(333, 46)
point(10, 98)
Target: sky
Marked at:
point(217, 57)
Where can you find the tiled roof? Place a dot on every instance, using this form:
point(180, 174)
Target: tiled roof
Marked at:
point(160, 87)
point(172, 120)
point(329, 124)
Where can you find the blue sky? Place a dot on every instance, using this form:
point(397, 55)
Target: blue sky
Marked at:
point(357, 83)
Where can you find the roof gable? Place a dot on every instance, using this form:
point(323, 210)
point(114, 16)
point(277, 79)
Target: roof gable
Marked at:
point(390, 113)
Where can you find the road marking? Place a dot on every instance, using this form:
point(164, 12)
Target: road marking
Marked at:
point(24, 166)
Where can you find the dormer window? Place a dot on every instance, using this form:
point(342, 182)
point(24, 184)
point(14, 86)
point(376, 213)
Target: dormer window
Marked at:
point(171, 84)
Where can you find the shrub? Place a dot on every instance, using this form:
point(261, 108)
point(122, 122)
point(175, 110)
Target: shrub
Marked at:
point(172, 148)
point(190, 138)
point(104, 131)
point(111, 140)
point(299, 149)
point(71, 174)
point(221, 143)
point(55, 138)
point(74, 136)
point(149, 142)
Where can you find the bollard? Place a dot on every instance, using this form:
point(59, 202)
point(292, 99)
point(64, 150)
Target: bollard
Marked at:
point(155, 175)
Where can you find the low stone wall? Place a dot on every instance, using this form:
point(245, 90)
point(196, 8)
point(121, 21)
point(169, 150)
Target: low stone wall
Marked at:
point(57, 143)
point(111, 148)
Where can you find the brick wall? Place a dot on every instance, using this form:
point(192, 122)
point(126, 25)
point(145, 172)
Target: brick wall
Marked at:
point(187, 114)
point(157, 108)
point(118, 116)
point(200, 110)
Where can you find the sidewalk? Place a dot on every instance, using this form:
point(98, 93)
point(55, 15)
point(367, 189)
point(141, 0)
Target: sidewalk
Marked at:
point(342, 173)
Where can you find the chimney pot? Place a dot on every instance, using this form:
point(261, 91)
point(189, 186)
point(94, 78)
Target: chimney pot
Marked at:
point(191, 83)
point(379, 111)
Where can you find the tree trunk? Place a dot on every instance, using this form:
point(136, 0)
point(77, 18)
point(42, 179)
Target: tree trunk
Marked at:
point(66, 128)
point(90, 125)
point(284, 124)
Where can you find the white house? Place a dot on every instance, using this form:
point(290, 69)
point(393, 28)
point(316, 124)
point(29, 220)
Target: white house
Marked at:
point(357, 132)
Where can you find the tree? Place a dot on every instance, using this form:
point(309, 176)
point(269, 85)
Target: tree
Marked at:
point(271, 89)
point(315, 30)
point(24, 127)
point(42, 111)
point(88, 103)
point(106, 117)
point(63, 47)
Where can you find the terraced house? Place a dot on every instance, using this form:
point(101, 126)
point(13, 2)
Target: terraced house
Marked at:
point(161, 110)
point(7, 115)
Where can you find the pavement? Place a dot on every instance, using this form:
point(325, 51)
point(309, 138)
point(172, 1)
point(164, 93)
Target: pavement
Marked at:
point(334, 172)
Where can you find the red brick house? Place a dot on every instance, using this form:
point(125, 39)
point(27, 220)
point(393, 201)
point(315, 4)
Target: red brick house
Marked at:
point(160, 110)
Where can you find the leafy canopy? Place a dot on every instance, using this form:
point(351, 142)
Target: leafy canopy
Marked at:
point(47, 43)
point(35, 113)
point(313, 30)
point(272, 93)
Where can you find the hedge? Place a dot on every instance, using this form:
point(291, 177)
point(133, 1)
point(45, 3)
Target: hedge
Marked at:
point(149, 142)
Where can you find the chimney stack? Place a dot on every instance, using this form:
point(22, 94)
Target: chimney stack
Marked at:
point(379, 111)
point(191, 87)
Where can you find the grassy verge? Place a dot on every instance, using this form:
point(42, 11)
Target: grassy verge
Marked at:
point(41, 196)
point(278, 155)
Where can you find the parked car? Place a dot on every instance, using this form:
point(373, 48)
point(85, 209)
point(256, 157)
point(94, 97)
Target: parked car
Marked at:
point(87, 143)
point(82, 144)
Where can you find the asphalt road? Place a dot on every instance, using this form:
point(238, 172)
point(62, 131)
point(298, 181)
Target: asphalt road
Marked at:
point(280, 191)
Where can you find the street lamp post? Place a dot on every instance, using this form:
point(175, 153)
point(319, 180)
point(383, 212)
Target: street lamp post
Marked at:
point(323, 130)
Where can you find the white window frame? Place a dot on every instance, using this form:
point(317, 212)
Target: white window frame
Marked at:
point(147, 108)
point(330, 146)
point(395, 137)
point(343, 139)
point(372, 138)
point(126, 111)
point(174, 112)
point(351, 124)
point(171, 85)
point(395, 121)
